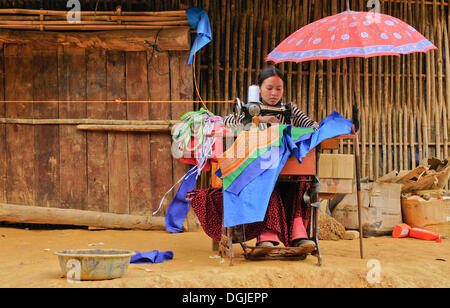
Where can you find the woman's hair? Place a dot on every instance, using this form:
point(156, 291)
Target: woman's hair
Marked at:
point(270, 71)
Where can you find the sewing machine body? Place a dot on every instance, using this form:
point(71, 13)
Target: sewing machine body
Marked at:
point(253, 110)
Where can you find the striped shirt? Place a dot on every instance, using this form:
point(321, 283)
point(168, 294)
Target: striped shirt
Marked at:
point(298, 119)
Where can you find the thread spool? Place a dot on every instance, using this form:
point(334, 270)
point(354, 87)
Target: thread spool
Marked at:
point(253, 94)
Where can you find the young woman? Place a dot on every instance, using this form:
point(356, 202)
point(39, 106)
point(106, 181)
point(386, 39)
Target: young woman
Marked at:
point(286, 213)
point(271, 88)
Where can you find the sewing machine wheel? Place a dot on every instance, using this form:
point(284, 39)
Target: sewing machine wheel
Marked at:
point(254, 109)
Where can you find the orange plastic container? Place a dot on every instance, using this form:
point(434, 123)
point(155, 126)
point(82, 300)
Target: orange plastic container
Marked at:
point(425, 235)
point(401, 230)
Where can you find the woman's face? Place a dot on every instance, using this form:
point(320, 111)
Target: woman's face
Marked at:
point(272, 90)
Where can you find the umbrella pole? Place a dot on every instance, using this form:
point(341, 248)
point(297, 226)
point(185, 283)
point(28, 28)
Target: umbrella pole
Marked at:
point(358, 191)
point(355, 130)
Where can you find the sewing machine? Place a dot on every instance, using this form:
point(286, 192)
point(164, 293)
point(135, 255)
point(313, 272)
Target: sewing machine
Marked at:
point(292, 172)
point(252, 111)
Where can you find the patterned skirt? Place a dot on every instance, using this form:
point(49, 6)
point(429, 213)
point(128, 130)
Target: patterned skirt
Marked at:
point(285, 204)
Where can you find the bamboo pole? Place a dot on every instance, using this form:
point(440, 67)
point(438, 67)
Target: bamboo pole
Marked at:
point(412, 125)
point(216, 67)
point(93, 19)
point(440, 94)
point(312, 90)
point(433, 106)
point(377, 65)
point(299, 86)
point(338, 101)
point(88, 26)
point(234, 56)
point(89, 13)
point(447, 69)
point(406, 142)
point(320, 103)
point(446, 111)
point(259, 27)
point(251, 30)
point(210, 78)
point(330, 94)
point(350, 101)
point(366, 164)
point(242, 36)
point(344, 93)
point(227, 54)
point(376, 116)
point(389, 115)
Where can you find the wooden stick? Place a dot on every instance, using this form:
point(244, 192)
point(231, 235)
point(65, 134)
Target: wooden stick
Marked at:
point(47, 215)
point(166, 39)
point(126, 128)
point(86, 121)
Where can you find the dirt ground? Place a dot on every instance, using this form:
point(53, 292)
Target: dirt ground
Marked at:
point(27, 260)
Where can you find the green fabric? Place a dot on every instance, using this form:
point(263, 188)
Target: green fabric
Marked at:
point(297, 132)
point(230, 178)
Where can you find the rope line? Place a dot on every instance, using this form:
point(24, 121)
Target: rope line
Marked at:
point(117, 101)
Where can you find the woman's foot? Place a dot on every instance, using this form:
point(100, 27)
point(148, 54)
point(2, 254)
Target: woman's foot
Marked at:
point(265, 244)
point(308, 245)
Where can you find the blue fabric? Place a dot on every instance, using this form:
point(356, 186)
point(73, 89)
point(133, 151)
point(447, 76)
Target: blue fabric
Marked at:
point(179, 207)
point(198, 20)
point(246, 200)
point(332, 126)
point(251, 203)
point(151, 257)
point(269, 159)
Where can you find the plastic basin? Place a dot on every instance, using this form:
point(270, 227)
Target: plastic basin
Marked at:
point(94, 264)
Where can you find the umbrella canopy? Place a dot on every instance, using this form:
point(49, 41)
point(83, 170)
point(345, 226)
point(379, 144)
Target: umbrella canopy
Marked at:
point(350, 34)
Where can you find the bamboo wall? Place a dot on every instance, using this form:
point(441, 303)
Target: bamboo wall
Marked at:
point(404, 101)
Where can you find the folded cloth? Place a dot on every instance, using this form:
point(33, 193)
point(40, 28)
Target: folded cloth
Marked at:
point(332, 126)
point(198, 20)
point(251, 203)
point(248, 146)
point(266, 156)
point(246, 197)
point(151, 257)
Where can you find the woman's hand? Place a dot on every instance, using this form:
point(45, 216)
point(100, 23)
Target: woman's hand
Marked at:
point(269, 119)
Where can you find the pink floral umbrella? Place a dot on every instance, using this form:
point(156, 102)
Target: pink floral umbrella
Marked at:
point(350, 34)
